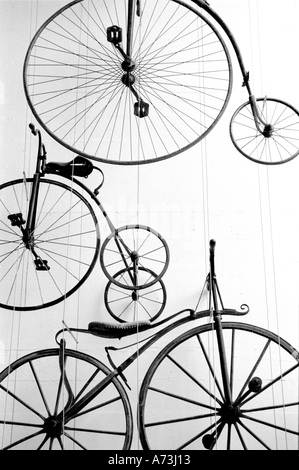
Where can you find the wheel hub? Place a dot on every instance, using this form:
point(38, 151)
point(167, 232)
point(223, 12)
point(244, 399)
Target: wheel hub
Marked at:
point(128, 65)
point(128, 79)
point(53, 427)
point(28, 241)
point(230, 413)
point(134, 256)
point(135, 296)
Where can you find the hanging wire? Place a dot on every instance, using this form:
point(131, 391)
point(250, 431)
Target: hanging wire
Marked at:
point(270, 211)
point(204, 174)
point(16, 317)
point(139, 39)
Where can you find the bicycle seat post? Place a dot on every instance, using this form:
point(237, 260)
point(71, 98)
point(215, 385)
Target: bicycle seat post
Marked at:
point(28, 236)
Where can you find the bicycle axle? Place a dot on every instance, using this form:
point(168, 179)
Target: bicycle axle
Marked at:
point(17, 220)
point(268, 130)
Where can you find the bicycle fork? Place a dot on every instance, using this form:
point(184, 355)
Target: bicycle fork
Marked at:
point(17, 220)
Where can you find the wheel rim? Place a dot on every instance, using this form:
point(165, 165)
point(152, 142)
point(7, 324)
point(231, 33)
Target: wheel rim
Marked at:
point(191, 411)
point(32, 398)
point(145, 244)
point(66, 243)
point(278, 143)
point(75, 87)
point(126, 305)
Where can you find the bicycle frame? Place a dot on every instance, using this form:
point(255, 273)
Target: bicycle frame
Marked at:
point(73, 407)
point(262, 126)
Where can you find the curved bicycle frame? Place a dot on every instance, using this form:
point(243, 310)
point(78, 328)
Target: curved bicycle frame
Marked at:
point(255, 111)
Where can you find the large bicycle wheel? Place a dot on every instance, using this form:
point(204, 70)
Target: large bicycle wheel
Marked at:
point(59, 256)
point(126, 305)
point(182, 401)
point(132, 247)
point(36, 389)
point(83, 95)
point(277, 142)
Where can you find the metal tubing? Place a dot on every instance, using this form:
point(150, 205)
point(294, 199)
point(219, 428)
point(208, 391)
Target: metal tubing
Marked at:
point(130, 26)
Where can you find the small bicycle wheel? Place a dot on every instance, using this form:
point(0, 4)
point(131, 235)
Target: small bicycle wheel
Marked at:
point(182, 402)
point(275, 143)
point(60, 254)
point(135, 305)
point(36, 390)
point(81, 92)
point(131, 248)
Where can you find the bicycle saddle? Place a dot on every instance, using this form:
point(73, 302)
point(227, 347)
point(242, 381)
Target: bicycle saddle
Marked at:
point(80, 166)
point(112, 330)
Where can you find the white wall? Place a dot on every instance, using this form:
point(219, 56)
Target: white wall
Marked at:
point(211, 191)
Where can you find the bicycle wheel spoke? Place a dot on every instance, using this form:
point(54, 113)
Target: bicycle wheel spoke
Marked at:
point(180, 420)
point(138, 242)
point(66, 434)
point(46, 438)
point(232, 357)
point(22, 402)
point(210, 367)
point(272, 407)
point(96, 431)
point(194, 379)
point(240, 436)
point(273, 381)
point(65, 257)
point(197, 436)
point(126, 304)
point(40, 388)
point(97, 407)
point(258, 361)
point(271, 425)
point(180, 398)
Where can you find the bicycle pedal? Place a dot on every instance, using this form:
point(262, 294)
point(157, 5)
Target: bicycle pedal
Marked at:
point(41, 265)
point(114, 34)
point(141, 109)
point(16, 219)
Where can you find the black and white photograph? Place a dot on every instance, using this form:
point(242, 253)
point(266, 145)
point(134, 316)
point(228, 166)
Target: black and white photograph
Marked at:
point(149, 227)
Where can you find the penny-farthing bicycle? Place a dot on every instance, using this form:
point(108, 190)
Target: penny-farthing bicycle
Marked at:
point(219, 385)
point(138, 81)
